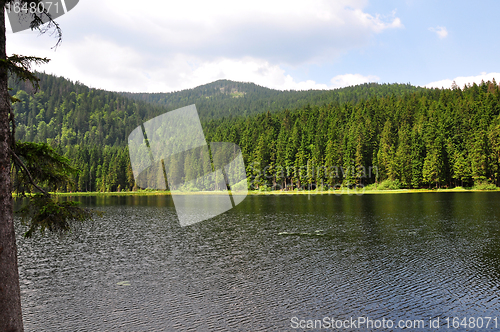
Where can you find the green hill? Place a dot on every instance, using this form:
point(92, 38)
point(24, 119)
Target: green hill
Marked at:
point(66, 113)
point(225, 98)
point(395, 134)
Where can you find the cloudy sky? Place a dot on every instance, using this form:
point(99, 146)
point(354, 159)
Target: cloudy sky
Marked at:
point(161, 46)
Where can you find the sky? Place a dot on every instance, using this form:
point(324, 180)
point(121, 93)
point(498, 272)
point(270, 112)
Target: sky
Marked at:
point(164, 46)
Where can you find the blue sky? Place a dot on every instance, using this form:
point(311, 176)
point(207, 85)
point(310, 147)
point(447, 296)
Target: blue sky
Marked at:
point(161, 46)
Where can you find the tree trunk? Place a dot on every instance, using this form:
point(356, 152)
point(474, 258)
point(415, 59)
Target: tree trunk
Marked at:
point(10, 295)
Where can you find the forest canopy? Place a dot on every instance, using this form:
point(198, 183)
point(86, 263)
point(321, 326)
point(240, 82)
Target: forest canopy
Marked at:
point(371, 133)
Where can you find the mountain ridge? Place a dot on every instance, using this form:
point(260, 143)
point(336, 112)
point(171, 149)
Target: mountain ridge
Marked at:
point(413, 136)
point(62, 112)
point(234, 98)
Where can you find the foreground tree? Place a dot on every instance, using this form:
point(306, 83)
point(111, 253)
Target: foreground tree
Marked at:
point(10, 297)
point(28, 168)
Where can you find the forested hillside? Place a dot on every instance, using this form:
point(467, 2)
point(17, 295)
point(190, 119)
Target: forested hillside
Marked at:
point(63, 113)
point(225, 98)
point(413, 137)
point(431, 139)
point(66, 113)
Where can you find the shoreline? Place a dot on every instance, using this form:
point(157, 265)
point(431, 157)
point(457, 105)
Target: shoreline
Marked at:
point(264, 193)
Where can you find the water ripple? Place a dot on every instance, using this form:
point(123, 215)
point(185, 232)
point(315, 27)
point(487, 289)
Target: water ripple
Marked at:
point(270, 259)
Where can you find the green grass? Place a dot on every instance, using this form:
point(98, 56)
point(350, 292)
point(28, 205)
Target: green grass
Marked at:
point(343, 191)
point(385, 187)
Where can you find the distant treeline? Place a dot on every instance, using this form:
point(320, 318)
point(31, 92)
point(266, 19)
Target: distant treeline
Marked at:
point(433, 138)
point(63, 113)
point(412, 137)
point(226, 99)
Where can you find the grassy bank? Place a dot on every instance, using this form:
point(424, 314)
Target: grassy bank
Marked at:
point(343, 191)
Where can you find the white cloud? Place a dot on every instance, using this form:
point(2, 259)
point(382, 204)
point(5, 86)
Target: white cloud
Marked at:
point(103, 64)
point(165, 46)
point(464, 80)
point(441, 32)
point(291, 31)
point(351, 79)
point(249, 69)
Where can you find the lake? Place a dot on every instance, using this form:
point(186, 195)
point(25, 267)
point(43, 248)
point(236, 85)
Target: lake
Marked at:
point(273, 263)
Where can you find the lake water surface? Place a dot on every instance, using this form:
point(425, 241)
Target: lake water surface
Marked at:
point(268, 264)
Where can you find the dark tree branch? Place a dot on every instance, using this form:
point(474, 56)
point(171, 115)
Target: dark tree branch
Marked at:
point(27, 172)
